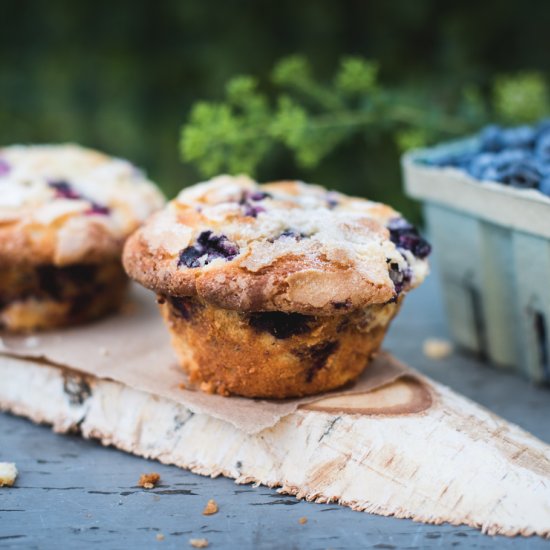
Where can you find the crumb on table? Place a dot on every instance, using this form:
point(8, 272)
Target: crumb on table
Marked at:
point(302, 521)
point(198, 543)
point(160, 536)
point(148, 481)
point(8, 474)
point(437, 348)
point(210, 508)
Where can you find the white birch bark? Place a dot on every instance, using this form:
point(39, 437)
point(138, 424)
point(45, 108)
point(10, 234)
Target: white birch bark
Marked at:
point(413, 449)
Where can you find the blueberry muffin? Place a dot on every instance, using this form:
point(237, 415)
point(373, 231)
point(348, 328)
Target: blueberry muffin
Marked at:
point(276, 290)
point(65, 213)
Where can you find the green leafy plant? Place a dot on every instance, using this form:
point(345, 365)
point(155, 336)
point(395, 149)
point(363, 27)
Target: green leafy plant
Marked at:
point(312, 118)
point(520, 98)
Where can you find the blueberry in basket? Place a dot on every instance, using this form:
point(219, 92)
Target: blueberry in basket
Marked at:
point(518, 156)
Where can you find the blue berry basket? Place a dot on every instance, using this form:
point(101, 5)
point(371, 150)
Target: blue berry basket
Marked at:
point(493, 250)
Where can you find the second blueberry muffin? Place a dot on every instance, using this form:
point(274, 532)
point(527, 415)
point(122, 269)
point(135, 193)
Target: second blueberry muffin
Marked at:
point(65, 213)
point(276, 290)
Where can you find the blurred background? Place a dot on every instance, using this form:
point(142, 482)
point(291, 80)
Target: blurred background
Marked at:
point(122, 76)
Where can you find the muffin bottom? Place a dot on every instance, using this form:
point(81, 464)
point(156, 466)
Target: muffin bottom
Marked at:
point(44, 297)
point(272, 354)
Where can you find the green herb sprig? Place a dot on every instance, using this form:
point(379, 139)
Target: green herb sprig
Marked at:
point(312, 118)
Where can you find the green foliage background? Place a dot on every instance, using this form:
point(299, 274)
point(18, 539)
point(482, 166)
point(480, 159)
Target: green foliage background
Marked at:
point(123, 75)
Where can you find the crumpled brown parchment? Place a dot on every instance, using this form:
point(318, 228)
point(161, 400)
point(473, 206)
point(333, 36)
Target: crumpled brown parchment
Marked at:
point(133, 348)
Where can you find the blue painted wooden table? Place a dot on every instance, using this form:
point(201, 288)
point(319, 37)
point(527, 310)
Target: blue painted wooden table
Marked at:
point(73, 493)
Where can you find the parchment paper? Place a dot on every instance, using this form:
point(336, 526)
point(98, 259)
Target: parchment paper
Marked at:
point(133, 348)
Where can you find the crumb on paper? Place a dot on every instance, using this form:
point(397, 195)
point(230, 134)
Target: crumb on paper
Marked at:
point(206, 387)
point(160, 536)
point(198, 543)
point(148, 481)
point(302, 521)
point(182, 386)
point(437, 348)
point(103, 351)
point(32, 341)
point(210, 508)
point(8, 474)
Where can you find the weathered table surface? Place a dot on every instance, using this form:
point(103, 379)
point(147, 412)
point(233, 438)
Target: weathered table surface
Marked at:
point(73, 493)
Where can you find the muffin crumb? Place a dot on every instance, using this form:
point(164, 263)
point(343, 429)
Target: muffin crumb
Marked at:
point(198, 543)
point(302, 521)
point(160, 536)
point(207, 387)
point(148, 481)
point(210, 508)
point(8, 474)
point(437, 348)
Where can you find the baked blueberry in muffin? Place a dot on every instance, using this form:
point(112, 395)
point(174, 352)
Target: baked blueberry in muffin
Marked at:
point(65, 213)
point(275, 290)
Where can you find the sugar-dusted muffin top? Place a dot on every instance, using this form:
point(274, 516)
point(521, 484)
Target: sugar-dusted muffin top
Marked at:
point(285, 246)
point(64, 204)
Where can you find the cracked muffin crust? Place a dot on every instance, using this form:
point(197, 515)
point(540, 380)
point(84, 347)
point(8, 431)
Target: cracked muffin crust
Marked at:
point(236, 265)
point(285, 246)
point(65, 213)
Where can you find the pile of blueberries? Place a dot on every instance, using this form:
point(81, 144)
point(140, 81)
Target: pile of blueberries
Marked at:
point(519, 157)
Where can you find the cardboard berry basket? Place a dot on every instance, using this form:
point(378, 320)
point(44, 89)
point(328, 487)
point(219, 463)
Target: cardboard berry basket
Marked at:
point(493, 250)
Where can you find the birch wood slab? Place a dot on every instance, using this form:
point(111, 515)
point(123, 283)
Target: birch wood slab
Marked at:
point(413, 449)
